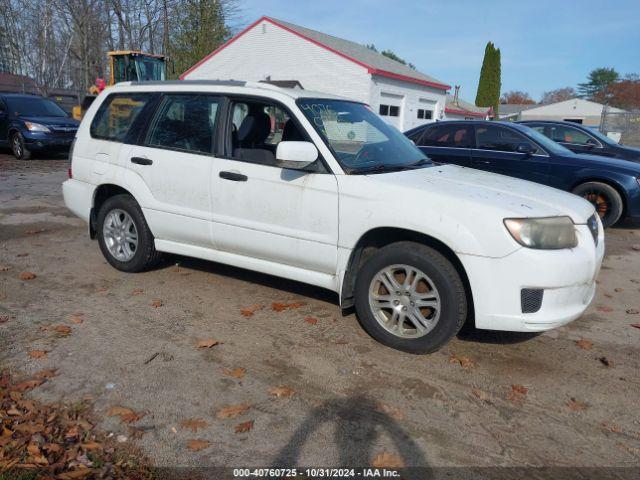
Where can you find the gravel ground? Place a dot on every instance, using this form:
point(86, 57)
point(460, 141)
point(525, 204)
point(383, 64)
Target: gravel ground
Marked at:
point(568, 397)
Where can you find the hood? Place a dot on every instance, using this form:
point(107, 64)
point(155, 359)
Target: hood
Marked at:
point(53, 121)
point(507, 196)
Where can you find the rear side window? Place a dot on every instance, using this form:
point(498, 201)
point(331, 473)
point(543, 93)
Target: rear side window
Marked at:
point(185, 122)
point(116, 114)
point(452, 136)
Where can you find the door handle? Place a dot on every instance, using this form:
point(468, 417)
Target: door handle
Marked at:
point(233, 176)
point(141, 161)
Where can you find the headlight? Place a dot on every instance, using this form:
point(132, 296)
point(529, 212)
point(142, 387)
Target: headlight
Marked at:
point(550, 233)
point(36, 127)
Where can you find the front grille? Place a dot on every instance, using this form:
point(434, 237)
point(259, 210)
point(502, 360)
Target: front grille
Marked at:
point(531, 299)
point(63, 130)
point(592, 223)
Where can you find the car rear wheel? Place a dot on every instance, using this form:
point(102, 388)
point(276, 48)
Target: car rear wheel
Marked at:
point(124, 236)
point(606, 200)
point(410, 297)
point(20, 150)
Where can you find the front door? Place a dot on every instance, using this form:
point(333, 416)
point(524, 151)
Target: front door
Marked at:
point(496, 151)
point(267, 212)
point(173, 163)
point(4, 123)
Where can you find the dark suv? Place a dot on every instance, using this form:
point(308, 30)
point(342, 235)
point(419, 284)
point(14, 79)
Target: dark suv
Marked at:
point(29, 123)
point(611, 185)
point(581, 139)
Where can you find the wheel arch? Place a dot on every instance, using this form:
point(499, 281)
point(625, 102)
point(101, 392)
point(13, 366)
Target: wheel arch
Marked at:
point(379, 237)
point(101, 194)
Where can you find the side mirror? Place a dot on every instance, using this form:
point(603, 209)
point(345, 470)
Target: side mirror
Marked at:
point(296, 155)
point(591, 143)
point(525, 148)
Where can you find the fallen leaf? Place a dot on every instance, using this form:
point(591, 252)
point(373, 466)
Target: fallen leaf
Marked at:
point(605, 309)
point(612, 428)
point(576, 405)
point(137, 291)
point(28, 385)
point(279, 306)
point(156, 303)
point(481, 394)
point(244, 427)
point(63, 330)
point(635, 325)
point(72, 433)
point(281, 391)
point(22, 255)
point(4, 318)
point(27, 276)
point(46, 373)
point(311, 320)
point(387, 460)
point(194, 424)
point(91, 446)
point(633, 311)
point(14, 412)
point(464, 362)
point(197, 445)
point(76, 474)
point(4, 268)
point(391, 410)
point(249, 311)
point(236, 372)
point(618, 290)
point(52, 447)
point(37, 353)
point(233, 411)
point(118, 411)
point(33, 449)
point(132, 417)
point(606, 362)
point(517, 394)
point(35, 231)
point(584, 344)
point(635, 247)
point(208, 343)
point(76, 318)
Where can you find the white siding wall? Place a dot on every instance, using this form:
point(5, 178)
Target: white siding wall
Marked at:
point(268, 50)
point(588, 112)
point(411, 96)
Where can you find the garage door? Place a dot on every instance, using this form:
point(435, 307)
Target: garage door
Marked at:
point(391, 109)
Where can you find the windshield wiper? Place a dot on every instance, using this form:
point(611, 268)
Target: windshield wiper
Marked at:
point(385, 167)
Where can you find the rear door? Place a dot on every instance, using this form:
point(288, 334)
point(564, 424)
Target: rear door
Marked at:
point(496, 151)
point(172, 165)
point(446, 142)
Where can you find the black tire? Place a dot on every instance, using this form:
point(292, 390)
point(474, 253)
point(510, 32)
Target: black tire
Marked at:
point(145, 255)
point(606, 200)
point(445, 278)
point(19, 148)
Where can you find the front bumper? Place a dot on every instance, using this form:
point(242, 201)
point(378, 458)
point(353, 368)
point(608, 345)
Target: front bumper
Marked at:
point(45, 141)
point(568, 278)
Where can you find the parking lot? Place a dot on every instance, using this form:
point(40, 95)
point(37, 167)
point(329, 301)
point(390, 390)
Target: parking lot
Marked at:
point(291, 380)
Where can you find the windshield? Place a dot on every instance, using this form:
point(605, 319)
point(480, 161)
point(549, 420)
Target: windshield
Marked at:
point(545, 142)
point(601, 136)
point(360, 140)
point(34, 107)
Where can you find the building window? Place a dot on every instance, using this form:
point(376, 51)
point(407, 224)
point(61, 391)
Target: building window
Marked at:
point(389, 110)
point(425, 114)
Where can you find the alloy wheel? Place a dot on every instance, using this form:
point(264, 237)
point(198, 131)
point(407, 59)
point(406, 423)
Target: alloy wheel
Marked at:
point(120, 235)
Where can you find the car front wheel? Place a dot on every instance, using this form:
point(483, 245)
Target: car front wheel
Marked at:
point(20, 151)
point(410, 297)
point(605, 199)
point(124, 236)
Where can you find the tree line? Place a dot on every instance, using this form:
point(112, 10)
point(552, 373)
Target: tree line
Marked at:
point(603, 85)
point(64, 43)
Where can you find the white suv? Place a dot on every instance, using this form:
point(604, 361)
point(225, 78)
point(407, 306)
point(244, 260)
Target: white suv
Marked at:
point(319, 189)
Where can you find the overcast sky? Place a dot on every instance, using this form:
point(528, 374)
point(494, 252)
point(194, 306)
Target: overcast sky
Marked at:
point(545, 44)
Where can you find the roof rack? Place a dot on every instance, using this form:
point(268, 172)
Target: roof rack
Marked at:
point(227, 83)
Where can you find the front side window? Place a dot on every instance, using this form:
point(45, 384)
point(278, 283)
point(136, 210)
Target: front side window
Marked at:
point(493, 137)
point(257, 127)
point(453, 136)
point(360, 140)
point(116, 114)
point(560, 133)
point(185, 122)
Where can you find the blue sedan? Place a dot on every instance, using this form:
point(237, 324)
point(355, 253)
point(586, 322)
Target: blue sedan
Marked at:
point(612, 186)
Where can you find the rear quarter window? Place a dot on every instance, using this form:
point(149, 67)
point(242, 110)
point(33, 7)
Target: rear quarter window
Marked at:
point(116, 114)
